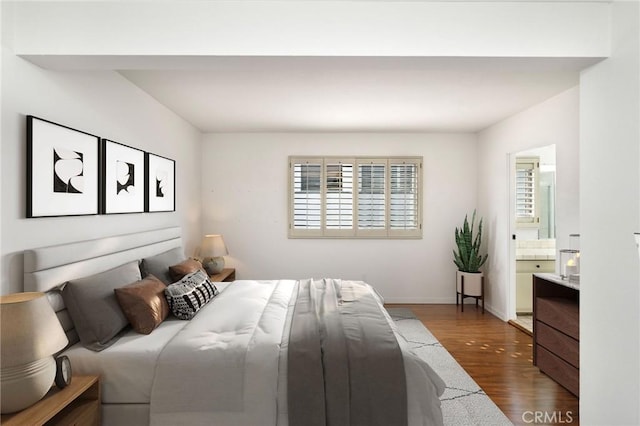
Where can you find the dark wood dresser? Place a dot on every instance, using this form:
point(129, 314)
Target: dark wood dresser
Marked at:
point(556, 329)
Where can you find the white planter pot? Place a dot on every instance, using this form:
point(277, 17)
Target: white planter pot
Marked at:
point(472, 283)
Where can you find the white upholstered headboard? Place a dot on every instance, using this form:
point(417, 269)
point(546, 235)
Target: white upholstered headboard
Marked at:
point(49, 267)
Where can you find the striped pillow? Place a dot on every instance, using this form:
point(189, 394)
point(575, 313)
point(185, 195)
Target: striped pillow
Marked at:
point(187, 296)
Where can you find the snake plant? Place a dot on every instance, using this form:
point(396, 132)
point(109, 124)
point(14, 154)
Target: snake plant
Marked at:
point(468, 257)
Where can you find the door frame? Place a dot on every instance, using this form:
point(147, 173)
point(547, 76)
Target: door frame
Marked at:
point(511, 242)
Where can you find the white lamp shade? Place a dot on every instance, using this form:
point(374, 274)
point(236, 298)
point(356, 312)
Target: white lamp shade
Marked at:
point(213, 246)
point(29, 329)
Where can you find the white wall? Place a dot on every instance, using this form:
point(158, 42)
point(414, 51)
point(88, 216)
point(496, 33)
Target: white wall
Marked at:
point(105, 104)
point(554, 121)
point(609, 214)
point(245, 182)
point(3, 28)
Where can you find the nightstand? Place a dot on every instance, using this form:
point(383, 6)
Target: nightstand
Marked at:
point(227, 275)
point(76, 404)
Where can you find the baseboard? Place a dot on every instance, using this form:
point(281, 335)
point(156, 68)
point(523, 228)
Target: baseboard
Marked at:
point(422, 300)
point(427, 300)
point(519, 327)
point(441, 301)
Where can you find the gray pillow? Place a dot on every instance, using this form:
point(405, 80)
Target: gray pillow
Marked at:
point(93, 306)
point(158, 265)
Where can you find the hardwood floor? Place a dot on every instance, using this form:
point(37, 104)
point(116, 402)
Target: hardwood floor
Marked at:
point(499, 358)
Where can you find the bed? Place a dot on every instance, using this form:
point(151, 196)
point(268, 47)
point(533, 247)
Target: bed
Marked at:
point(272, 352)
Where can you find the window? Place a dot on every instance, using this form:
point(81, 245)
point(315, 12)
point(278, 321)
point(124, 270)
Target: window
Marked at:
point(527, 210)
point(355, 197)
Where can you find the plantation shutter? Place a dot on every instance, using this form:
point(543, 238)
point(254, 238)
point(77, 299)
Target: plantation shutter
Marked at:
point(338, 196)
point(355, 197)
point(527, 191)
point(372, 205)
point(403, 200)
point(306, 206)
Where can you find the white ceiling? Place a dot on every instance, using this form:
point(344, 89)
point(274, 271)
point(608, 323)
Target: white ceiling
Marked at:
point(356, 94)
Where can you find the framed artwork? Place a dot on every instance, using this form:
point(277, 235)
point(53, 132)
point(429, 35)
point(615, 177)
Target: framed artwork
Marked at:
point(122, 178)
point(160, 185)
point(62, 170)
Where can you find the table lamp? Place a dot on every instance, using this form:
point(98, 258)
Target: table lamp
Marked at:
point(212, 250)
point(30, 334)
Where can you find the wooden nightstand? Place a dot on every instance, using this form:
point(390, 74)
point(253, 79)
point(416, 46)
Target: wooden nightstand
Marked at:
point(227, 275)
point(76, 404)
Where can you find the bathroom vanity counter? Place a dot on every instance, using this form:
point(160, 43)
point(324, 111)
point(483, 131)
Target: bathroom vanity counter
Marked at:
point(536, 249)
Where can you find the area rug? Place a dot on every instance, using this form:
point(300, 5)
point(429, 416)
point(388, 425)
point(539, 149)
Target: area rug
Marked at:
point(463, 401)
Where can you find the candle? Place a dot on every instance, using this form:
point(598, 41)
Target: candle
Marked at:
point(571, 268)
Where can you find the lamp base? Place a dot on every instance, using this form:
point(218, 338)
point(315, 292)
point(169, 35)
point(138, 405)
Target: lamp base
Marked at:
point(213, 265)
point(23, 385)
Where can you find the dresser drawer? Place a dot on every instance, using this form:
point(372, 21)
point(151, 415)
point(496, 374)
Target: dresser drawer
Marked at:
point(561, 314)
point(560, 344)
point(559, 370)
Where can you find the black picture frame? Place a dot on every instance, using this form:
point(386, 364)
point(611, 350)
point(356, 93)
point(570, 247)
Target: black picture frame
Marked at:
point(62, 173)
point(123, 175)
point(160, 184)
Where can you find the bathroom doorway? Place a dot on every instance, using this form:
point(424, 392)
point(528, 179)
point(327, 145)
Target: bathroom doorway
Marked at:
point(533, 227)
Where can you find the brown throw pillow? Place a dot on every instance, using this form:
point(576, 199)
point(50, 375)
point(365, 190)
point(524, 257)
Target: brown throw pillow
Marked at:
point(186, 267)
point(143, 303)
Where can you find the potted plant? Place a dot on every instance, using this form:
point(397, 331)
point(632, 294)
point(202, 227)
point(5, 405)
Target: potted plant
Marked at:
point(469, 260)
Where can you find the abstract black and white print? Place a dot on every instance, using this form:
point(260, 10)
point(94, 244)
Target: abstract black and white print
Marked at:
point(62, 170)
point(125, 176)
point(122, 179)
point(160, 184)
point(68, 170)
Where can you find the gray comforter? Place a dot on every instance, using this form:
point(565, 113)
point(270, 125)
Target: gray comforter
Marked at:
point(345, 366)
